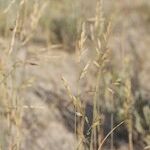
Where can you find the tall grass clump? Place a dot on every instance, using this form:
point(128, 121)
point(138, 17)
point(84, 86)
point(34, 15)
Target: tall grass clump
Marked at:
point(108, 106)
point(94, 56)
point(13, 81)
point(111, 93)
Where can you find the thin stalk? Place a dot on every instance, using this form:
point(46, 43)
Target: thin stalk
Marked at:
point(103, 141)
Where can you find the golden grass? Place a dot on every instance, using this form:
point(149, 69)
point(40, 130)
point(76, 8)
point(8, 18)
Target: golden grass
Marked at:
point(112, 89)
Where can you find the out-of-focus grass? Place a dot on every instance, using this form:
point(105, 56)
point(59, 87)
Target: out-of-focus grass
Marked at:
point(115, 81)
point(60, 21)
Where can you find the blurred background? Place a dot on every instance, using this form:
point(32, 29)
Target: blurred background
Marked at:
point(72, 71)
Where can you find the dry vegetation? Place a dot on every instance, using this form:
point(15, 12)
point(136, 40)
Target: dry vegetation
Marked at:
point(74, 75)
